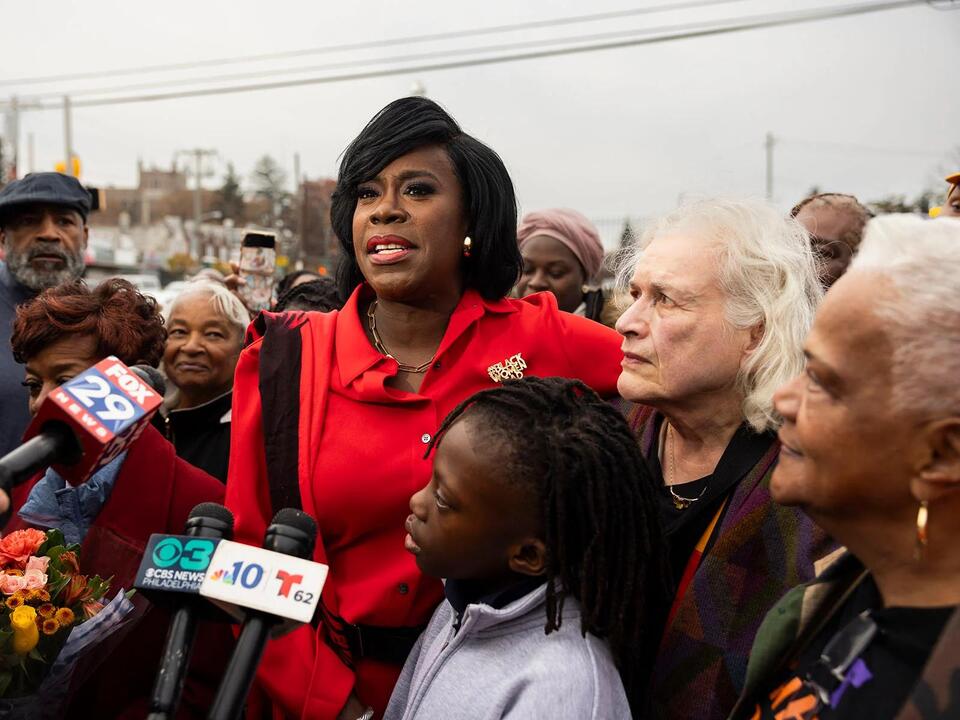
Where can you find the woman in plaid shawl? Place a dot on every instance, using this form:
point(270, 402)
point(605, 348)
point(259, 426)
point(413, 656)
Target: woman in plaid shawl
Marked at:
point(723, 294)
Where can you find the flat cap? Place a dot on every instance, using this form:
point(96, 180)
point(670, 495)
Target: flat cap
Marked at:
point(46, 187)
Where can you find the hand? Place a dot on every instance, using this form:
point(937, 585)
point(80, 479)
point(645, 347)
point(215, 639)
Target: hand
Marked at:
point(353, 708)
point(233, 281)
point(4, 508)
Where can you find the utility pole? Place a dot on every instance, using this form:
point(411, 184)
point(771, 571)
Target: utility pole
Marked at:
point(12, 127)
point(771, 141)
point(67, 136)
point(198, 174)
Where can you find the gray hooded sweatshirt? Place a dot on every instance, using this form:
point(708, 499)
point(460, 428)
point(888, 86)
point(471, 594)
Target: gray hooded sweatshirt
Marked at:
point(501, 664)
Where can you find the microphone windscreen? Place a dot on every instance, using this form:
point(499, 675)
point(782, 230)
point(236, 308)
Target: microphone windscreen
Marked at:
point(212, 510)
point(152, 377)
point(297, 519)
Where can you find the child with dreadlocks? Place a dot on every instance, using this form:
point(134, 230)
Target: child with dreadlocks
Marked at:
point(541, 516)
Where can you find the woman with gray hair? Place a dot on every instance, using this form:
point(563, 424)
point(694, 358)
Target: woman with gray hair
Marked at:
point(723, 292)
point(205, 329)
point(871, 451)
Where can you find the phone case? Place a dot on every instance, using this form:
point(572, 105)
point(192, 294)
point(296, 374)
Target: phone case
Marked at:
point(257, 266)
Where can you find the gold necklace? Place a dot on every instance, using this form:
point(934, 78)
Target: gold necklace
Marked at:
point(679, 502)
point(378, 343)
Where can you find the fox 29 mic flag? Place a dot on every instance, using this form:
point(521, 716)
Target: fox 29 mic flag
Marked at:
point(106, 406)
point(271, 582)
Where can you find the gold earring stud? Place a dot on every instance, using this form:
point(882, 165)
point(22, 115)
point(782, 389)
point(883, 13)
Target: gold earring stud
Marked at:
point(467, 246)
point(923, 538)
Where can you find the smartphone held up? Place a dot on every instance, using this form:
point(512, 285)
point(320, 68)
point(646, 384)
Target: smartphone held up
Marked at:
point(258, 265)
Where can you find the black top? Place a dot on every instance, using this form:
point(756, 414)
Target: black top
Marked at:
point(201, 434)
point(684, 528)
point(461, 593)
point(878, 679)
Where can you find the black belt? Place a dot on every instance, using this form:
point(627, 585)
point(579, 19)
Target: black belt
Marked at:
point(353, 642)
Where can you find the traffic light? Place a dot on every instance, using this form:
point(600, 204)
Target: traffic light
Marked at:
point(61, 167)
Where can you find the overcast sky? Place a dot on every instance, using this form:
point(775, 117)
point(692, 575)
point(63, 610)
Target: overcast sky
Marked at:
point(868, 105)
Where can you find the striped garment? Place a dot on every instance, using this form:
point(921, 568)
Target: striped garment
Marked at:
point(758, 551)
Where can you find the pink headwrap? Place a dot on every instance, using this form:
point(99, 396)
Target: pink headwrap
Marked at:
point(569, 227)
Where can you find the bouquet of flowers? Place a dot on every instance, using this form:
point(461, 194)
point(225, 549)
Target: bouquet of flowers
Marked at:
point(47, 610)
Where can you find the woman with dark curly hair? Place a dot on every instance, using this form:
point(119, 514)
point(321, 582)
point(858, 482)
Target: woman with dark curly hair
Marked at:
point(333, 411)
point(148, 489)
point(70, 327)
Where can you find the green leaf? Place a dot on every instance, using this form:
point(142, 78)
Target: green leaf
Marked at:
point(34, 655)
point(98, 586)
point(5, 679)
point(130, 593)
point(54, 538)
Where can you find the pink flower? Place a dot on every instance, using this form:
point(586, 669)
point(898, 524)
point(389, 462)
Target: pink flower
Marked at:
point(9, 584)
point(34, 580)
point(16, 547)
point(38, 563)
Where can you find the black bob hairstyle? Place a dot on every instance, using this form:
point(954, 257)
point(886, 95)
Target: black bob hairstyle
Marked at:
point(406, 125)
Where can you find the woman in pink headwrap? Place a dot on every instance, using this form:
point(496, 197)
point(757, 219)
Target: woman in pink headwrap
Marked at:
point(562, 253)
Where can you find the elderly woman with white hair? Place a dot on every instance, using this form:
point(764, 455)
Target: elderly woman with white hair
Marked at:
point(871, 451)
point(723, 293)
point(205, 330)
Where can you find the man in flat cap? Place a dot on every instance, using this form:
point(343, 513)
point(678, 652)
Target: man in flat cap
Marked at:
point(43, 233)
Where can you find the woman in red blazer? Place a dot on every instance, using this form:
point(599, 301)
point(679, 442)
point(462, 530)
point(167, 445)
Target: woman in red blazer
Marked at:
point(333, 412)
point(57, 335)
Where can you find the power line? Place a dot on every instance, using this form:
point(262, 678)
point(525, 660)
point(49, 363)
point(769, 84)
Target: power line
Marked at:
point(638, 32)
point(759, 22)
point(855, 147)
point(385, 42)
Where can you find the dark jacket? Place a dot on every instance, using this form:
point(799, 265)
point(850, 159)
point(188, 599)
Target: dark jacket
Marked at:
point(153, 493)
point(801, 613)
point(14, 399)
point(201, 434)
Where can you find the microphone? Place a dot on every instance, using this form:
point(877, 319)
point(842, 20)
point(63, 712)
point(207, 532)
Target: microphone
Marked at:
point(83, 425)
point(209, 521)
point(292, 533)
point(152, 377)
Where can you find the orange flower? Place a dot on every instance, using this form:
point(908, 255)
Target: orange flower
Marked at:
point(42, 595)
point(65, 617)
point(50, 626)
point(18, 546)
point(91, 608)
point(14, 601)
point(47, 611)
point(76, 590)
point(14, 571)
point(69, 565)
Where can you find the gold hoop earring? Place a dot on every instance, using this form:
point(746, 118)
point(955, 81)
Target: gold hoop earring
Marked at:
point(467, 246)
point(923, 538)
